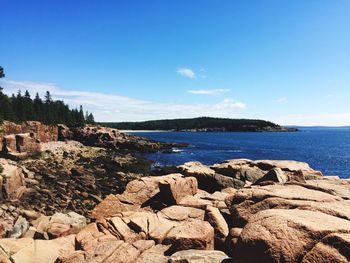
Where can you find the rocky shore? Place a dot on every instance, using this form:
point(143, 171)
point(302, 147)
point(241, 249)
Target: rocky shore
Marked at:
point(92, 199)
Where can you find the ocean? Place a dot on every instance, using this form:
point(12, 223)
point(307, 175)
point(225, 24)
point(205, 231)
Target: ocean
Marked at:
point(325, 149)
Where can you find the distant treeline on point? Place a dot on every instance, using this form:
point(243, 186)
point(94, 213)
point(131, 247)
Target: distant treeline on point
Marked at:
point(198, 124)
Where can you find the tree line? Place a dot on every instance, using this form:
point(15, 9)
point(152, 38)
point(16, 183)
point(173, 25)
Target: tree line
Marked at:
point(220, 124)
point(22, 107)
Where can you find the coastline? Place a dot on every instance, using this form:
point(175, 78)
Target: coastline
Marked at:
point(94, 182)
point(134, 131)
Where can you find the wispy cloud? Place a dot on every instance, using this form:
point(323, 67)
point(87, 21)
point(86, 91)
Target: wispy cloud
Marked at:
point(282, 99)
point(186, 72)
point(111, 107)
point(326, 119)
point(230, 104)
point(210, 92)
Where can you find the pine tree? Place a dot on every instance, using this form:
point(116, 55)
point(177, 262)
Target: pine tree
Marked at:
point(48, 97)
point(90, 119)
point(2, 74)
point(81, 118)
point(19, 108)
point(28, 106)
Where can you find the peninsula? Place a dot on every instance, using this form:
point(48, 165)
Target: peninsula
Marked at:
point(202, 124)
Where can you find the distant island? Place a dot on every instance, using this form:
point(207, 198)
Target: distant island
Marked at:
point(202, 124)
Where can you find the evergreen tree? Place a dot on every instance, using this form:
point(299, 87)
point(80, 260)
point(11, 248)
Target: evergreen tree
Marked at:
point(19, 108)
point(28, 106)
point(48, 97)
point(90, 119)
point(2, 74)
point(80, 117)
point(38, 108)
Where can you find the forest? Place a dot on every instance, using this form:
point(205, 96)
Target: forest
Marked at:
point(198, 124)
point(22, 107)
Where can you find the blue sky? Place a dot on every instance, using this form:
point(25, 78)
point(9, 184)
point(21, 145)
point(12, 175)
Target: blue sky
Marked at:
point(285, 61)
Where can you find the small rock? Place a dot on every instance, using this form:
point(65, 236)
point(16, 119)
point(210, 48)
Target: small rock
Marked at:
point(197, 256)
point(20, 227)
point(274, 175)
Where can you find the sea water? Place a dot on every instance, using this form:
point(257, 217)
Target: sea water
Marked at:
point(325, 149)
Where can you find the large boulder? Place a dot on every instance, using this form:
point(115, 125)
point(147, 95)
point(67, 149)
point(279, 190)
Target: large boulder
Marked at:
point(19, 228)
point(19, 146)
point(194, 234)
point(155, 191)
point(334, 186)
point(218, 222)
point(294, 222)
point(154, 255)
point(207, 178)
point(64, 133)
point(12, 183)
point(181, 213)
point(29, 250)
point(8, 219)
point(42, 132)
point(65, 224)
point(241, 169)
point(142, 236)
point(112, 138)
point(252, 171)
point(280, 235)
point(116, 251)
point(246, 202)
point(9, 143)
point(19, 141)
point(274, 175)
point(175, 190)
point(25, 142)
point(332, 248)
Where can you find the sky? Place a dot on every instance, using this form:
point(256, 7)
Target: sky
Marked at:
point(287, 61)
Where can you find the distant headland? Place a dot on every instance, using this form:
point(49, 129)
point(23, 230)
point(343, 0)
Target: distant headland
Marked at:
point(202, 124)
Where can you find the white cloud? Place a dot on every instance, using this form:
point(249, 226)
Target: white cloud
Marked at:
point(110, 107)
point(186, 72)
point(211, 92)
point(282, 99)
point(230, 104)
